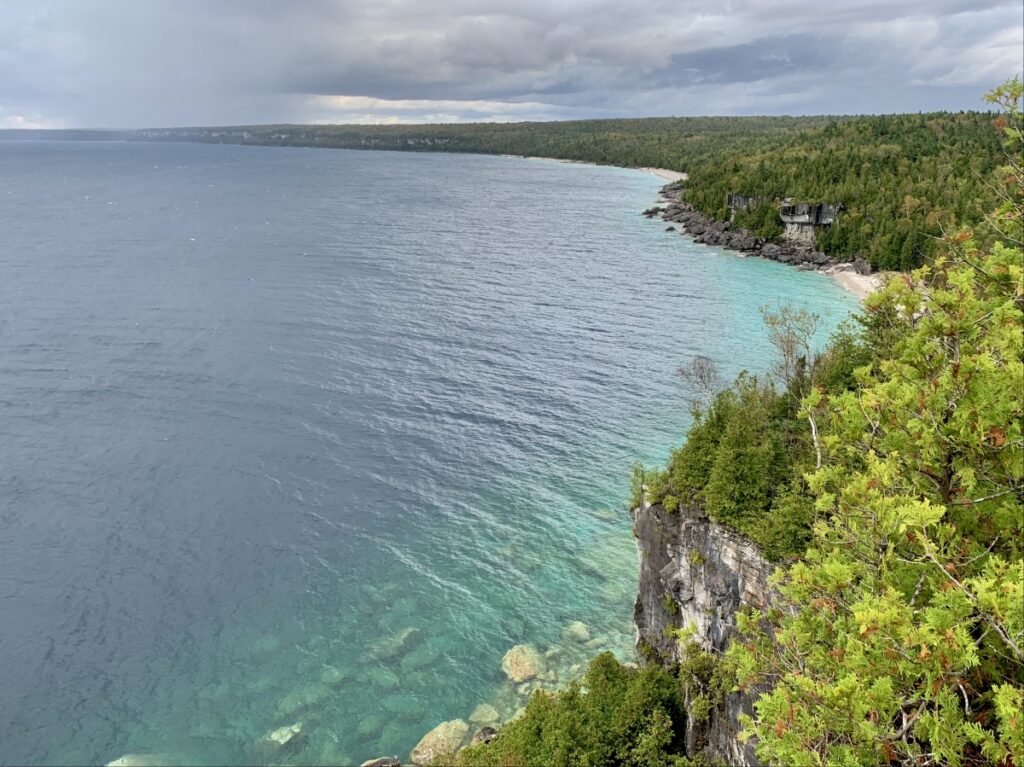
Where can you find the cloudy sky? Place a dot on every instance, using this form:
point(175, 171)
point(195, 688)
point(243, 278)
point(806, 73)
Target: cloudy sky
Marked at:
point(142, 63)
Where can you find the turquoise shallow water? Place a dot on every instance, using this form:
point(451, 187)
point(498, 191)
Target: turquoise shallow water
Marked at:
point(265, 410)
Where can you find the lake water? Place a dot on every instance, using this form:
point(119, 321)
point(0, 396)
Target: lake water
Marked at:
point(264, 410)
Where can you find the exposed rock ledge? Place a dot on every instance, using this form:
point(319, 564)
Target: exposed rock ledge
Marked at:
point(694, 570)
point(725, 234)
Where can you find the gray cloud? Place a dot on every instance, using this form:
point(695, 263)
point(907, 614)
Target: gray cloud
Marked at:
point(187, 62)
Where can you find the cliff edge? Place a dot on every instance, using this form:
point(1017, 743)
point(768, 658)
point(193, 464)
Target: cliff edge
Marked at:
point(694, 571)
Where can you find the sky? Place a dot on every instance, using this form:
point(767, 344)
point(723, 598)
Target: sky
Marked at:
point(162, 63)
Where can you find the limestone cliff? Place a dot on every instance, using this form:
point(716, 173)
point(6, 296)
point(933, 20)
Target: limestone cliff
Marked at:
point(693, 570)
point(803, 220)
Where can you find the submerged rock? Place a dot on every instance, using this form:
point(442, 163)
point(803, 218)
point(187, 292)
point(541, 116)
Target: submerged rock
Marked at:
point(300, 699)
point(141, 760)
point(282, 736)
point(395, 645)
point(577, 631)
point(552, 652)
point(522, 663)
point(370, 725)
point(332, 675)
point(485, 713)
point(267, 643)
point(441, 741)
point(382, 677)
point(405, 705)
point(426, 654)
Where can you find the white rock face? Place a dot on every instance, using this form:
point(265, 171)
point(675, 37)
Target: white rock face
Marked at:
point(441, 741)
point(802, 234)
point(522, 663)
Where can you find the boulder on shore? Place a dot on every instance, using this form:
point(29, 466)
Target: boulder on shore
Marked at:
point(522, 663)
point(444, 740)
point(382, 761)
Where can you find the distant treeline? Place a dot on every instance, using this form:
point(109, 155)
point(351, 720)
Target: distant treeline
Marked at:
point(903, 179)
point(64, 134)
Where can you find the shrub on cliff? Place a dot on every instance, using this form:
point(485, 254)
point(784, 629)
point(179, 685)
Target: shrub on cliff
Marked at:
point(742, 463)
point(619, 717)
point(900, 638)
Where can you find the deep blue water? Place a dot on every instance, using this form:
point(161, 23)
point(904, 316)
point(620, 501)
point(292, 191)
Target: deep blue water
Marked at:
point(262, 409)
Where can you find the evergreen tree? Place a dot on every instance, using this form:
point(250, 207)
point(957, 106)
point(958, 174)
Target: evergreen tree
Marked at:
point(900, 638)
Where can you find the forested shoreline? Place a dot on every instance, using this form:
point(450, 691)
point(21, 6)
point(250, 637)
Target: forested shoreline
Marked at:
point(885, 474)
point(902, 180)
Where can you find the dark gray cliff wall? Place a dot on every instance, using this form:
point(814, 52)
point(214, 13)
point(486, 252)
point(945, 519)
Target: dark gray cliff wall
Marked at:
point(708, 573)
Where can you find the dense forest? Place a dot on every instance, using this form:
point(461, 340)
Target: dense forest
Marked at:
point(886, 475)
point(903, 180)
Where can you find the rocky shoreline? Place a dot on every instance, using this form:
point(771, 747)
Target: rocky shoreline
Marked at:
point(527, 669)
point(725, 234)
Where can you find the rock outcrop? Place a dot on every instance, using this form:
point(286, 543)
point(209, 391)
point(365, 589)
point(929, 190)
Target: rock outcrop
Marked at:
point(798, 240)
point(738, 202)
point(442, 741)
point(694, 571)
point(802, 220)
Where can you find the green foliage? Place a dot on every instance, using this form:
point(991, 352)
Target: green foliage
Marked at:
point(900, 637)
point(649, 484)
point(705, 678)
point(835, 367)
point(749, 461)
point(619, 716)
point(762, 220)
point(668, 604)
point(636, 486)
point(741, 463)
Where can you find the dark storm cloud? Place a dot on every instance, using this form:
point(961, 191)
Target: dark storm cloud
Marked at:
point(173, 62)
point(759, 60)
